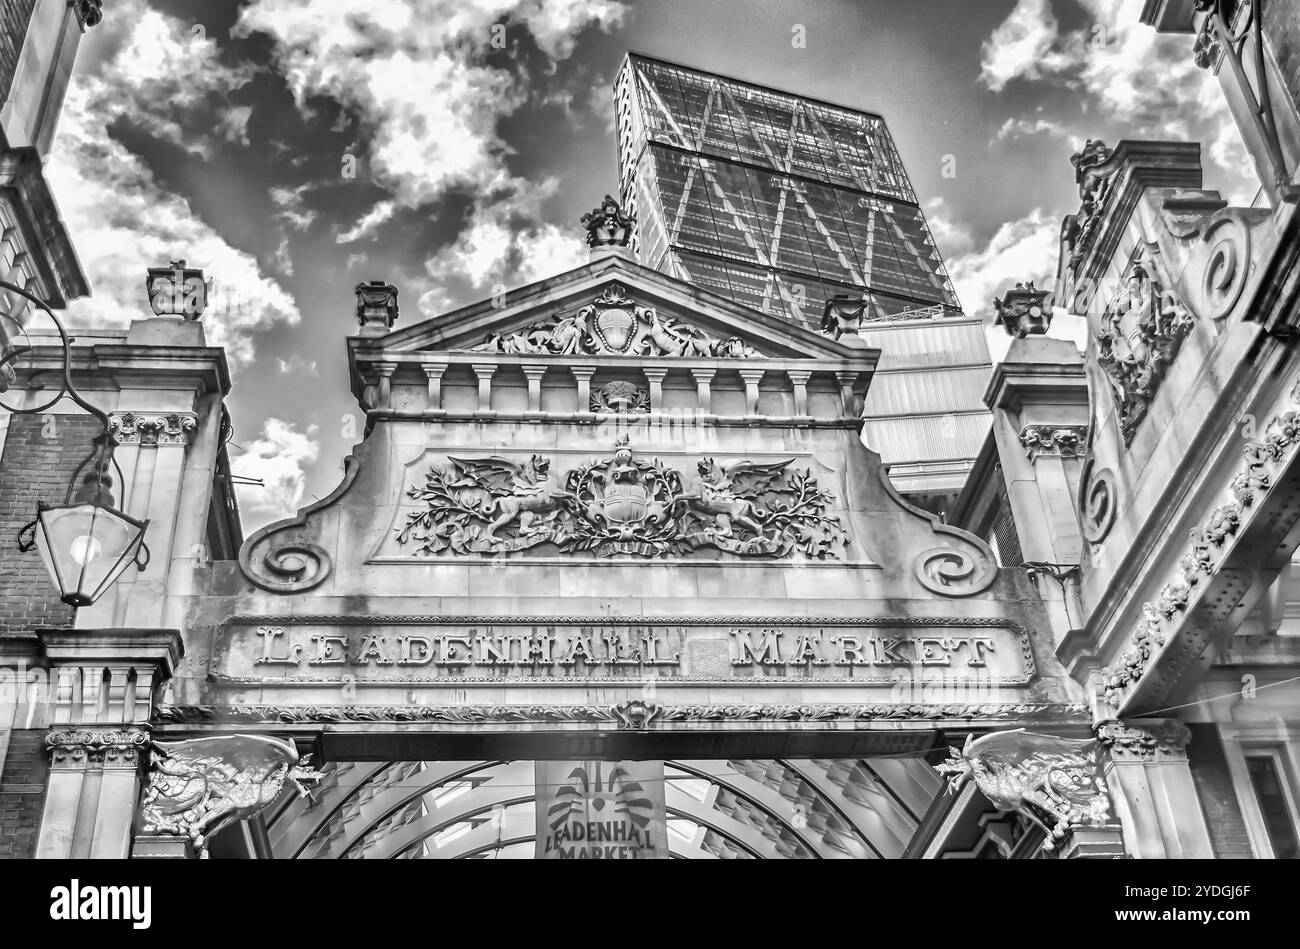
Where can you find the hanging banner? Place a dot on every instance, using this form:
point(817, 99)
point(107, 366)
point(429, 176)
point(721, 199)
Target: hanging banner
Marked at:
point(601, 810)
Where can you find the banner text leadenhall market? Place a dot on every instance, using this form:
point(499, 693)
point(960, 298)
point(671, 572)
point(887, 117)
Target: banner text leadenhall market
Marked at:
point(457, 648)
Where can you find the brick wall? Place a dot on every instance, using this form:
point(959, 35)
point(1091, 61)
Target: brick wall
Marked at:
point(1218, 797)
point(22, 793)
point(14, 16)
point(1282, 29)
point(37, 464)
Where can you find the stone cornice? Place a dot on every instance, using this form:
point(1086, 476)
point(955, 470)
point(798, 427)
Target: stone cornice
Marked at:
point(23, 184)
point(203, 368)
point(162, 647)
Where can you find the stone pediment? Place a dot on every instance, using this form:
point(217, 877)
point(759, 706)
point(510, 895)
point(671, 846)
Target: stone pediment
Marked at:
point(614, 307)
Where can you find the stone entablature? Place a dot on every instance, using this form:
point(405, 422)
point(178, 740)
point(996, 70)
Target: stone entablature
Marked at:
point(555, 387)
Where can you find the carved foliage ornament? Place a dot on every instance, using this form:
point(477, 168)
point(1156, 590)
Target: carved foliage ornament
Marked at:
point(152, 428)
point(1205, 553)
point(621, 505)
point(1064, 440)
point(1094, 181)
point(631, 714)
point(198, 787)
point(1054, 782)
point(614, 325)
point(1141, 332)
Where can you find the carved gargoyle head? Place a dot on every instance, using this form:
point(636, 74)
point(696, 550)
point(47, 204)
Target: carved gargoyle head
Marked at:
point(708, 469)
point(540, 465)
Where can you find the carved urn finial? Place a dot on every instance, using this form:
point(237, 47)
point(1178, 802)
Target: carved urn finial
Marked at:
point(177, 290)
point(1022, 311)
point(607, 226)
point(376, 306)
point(843, 315)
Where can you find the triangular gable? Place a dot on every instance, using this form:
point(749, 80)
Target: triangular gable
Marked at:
point(678, 307)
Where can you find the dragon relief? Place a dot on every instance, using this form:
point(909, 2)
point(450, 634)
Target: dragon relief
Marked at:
point(1054, 782)
point(197, 787)
point(621, 504)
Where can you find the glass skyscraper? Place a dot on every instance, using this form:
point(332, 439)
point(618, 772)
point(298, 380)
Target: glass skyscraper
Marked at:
point(773, 200)
point(780, 202)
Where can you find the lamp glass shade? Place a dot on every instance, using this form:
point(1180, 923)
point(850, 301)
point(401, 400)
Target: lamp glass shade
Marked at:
point(86, 547)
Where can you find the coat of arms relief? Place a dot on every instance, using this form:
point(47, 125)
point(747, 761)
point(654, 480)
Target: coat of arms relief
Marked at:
point(615, 325)
point(621, 505)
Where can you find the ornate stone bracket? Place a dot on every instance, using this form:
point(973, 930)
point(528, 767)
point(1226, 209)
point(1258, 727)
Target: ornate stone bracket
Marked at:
point(152, 429)
point(1055, 782)
point(279, 559)
point(963, 567)
point(1065, 441)
point(1209, 543)
point(197, 787)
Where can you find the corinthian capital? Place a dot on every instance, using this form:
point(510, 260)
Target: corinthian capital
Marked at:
point(1144, 739)
point(151, 429)
point(79, 747)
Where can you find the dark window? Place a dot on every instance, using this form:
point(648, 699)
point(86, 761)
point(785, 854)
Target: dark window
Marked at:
point(1266, 780)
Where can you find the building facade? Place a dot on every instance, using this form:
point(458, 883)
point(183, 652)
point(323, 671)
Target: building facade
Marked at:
point(619, 543)
point(783, 203)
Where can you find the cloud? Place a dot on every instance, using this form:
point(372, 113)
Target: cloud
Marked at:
point(1025, 249)
point(950, 235)
point(290, 207)
point(1116, 67)
point(122, 221)
point(278, 457)
point(1023, 128)
point(1020, 46)
point(416, 75)
point(371, 222)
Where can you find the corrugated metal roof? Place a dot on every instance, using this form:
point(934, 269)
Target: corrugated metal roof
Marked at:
point(927, 437)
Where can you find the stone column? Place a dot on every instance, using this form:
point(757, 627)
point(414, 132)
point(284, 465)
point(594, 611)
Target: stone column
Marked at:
point(485, 372)
point(655, 377)
point(1151, 788)
point(704, 390)
point(582, 376)
point(534, 375)
point(106, 685)
point(434, 374)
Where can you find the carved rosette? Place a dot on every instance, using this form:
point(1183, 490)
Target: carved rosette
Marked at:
point(1144, 741)
point(197, 787)
point(93, 747)
point(1054, 782)
point(1065, 441)
point(1208, 544)
point(152, 429)
point(615, 325)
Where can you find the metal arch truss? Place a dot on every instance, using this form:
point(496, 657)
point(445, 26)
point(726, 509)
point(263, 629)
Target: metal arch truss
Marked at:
point(745, 809)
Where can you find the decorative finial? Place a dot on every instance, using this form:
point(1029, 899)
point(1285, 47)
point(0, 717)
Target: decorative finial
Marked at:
point(1093, 153)
point(89, 12)
point(376, 305)
point(177, 290)
point(1022, 311)
point(607, 225)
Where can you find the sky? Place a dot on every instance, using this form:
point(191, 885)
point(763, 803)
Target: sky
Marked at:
point(294, 148)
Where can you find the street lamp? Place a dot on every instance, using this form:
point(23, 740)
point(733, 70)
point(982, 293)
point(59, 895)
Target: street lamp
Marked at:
point(86, 542)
